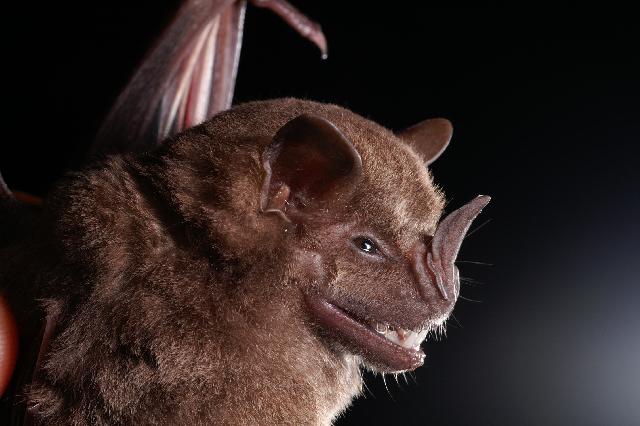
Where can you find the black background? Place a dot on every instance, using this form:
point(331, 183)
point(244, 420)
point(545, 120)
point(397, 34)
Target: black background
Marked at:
point(545, 105)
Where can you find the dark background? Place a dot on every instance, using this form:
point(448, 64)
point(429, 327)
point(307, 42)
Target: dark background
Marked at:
point(545, 105)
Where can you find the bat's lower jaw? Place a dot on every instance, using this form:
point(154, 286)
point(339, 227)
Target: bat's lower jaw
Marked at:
point(385, 350)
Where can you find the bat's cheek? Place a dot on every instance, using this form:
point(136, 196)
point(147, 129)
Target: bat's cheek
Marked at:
point(311, 269)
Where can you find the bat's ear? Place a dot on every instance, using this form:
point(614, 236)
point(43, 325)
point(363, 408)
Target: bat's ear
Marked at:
point(428, 138)
point(309, 164)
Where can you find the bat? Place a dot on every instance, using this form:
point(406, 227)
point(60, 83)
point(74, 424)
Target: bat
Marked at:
point(242, 271)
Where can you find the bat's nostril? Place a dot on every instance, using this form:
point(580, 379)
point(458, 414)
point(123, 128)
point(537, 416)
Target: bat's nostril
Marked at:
point(437, 276)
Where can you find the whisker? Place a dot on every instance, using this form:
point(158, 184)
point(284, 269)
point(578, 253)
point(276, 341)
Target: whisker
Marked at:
point(442, 329)
point(412, 375)
point(459, 325)
point(470, 300)
point(478, 228)
point(364, 384)
point(450, 324)
point(474, 262)
point(470, 281)
point(398, 381)
point(446, 204)
point(384, 380)
point(404, 376)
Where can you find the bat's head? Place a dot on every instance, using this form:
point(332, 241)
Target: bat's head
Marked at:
point(360, 201)
point(352, 212)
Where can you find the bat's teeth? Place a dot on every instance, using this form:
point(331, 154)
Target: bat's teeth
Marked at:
point(414, 339)
point(408, 339)
point(382, 328)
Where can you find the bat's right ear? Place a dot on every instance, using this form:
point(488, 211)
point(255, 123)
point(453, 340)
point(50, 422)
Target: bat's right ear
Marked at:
point(428, 138)
point(309, 165)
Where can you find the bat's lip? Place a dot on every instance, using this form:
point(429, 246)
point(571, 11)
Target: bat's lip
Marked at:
point(360, 338)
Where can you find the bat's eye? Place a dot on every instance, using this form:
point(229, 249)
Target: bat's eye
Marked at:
point(366, 245)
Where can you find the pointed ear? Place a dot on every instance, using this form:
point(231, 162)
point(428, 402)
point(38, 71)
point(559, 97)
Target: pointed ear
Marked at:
point(428, 138)
point(308, 164)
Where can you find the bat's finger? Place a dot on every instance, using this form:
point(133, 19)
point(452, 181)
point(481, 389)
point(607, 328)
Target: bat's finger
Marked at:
point(299, 22)
point(203, 85)
point(227, 53)
point(178, 107)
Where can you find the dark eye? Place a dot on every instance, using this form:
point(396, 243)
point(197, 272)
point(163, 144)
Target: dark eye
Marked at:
point(365, 245)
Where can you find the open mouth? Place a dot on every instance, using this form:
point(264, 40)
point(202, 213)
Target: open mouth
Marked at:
point(387, 347)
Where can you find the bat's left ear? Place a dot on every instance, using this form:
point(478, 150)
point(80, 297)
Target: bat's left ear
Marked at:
point(428, 138)
point(309, 166)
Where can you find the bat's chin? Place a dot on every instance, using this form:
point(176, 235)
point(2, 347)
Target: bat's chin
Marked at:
point(389, 349)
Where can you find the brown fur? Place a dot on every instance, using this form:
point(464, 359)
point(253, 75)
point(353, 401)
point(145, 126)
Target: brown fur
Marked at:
point(181, 302)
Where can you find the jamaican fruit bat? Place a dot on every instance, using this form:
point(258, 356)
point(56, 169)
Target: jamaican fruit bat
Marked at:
point(241, 273)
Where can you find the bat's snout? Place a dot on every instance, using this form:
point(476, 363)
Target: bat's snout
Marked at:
point(437, 276)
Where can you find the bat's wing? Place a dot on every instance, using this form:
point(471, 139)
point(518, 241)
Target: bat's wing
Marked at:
point(189, 75)
point(173, 87)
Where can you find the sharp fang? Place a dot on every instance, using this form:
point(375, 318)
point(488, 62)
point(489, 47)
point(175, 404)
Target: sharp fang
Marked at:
point(406, 339)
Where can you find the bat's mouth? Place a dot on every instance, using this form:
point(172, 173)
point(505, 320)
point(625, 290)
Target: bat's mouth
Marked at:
point(386, 347)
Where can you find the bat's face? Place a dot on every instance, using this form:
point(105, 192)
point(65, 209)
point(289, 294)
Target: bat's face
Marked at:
point(342, 208)
point(364, 209)
point(377, 302)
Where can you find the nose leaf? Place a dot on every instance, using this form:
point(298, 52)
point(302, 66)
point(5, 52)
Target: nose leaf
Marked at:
point(445, 245)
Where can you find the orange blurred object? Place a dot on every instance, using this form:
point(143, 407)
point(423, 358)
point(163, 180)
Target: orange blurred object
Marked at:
point(28, 198)
point(8, 344)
